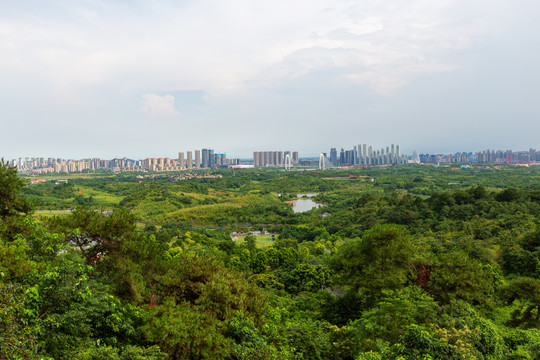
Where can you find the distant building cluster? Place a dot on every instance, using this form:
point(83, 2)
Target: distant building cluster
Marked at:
point(55, 165)
point(359, 155)
point(484, 157)
point(366, 155)
point(205, 158)
point(274, 158)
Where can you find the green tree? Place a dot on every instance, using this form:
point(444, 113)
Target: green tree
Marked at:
point(13, 206)
point(394, 313)
point(456, 276)
point(509, 194)
point(308, 277)
point(185, 332)
point(249, 342)
point(96, 233)
point(18, 339)
point(259, 262)
point(527, 292)
point(382, 259)
point(251, 242)
point(11, 202)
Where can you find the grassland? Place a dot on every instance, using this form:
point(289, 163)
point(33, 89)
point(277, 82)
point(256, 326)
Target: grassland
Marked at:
point(263, 241)
point(49, 213)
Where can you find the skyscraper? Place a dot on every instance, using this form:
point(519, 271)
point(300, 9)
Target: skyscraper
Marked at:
point(198, 159)
point(189, 160)
point(273, 158)
point(181, 161)
point(211, 158)
point(333, 156)
point(295, 157)
point(205, 158)
point(364, 154)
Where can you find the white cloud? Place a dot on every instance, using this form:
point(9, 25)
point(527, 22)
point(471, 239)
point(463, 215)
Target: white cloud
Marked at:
point(159, 106)
point(220, 45)
point(286, 60)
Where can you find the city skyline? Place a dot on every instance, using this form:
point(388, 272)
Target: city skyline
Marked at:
point(106, 79)
point(196, 158)
point(360, 155)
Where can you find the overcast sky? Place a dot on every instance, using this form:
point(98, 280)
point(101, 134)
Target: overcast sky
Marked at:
point(151, 78)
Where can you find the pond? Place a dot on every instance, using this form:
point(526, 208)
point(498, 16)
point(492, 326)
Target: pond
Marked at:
point(304, 203)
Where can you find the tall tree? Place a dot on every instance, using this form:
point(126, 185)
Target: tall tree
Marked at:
point(11, 203)
point(382, 259)
point(95, 232)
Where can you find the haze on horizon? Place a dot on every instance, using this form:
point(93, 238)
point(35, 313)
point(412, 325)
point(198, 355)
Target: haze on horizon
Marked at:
point(151, 78)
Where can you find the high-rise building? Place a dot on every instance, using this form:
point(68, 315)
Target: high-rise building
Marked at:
point(221, 160)
point(211, 158)
point(273, 158)
point(295, 157)
point(333, 156)
point(364, 154)
point(189, 160)
point(181, 160)
point(207, 158)
point(256, 159)
point(198, 159)
point(204, 162)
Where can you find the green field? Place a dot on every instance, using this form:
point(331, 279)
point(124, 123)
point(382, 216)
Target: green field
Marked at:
point(263, 241)
point(47, 213)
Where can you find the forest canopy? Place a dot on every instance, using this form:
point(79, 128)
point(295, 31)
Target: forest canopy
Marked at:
point(409, 262)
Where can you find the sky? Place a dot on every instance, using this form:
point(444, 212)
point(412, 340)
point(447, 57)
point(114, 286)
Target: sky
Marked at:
point(141, 78)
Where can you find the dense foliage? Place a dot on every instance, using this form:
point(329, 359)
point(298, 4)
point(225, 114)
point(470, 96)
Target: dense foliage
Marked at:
point(402, 262)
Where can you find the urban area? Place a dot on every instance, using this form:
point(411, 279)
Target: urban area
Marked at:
point(359, 155)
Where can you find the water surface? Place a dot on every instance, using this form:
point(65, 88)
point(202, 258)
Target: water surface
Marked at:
point(304, 203)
